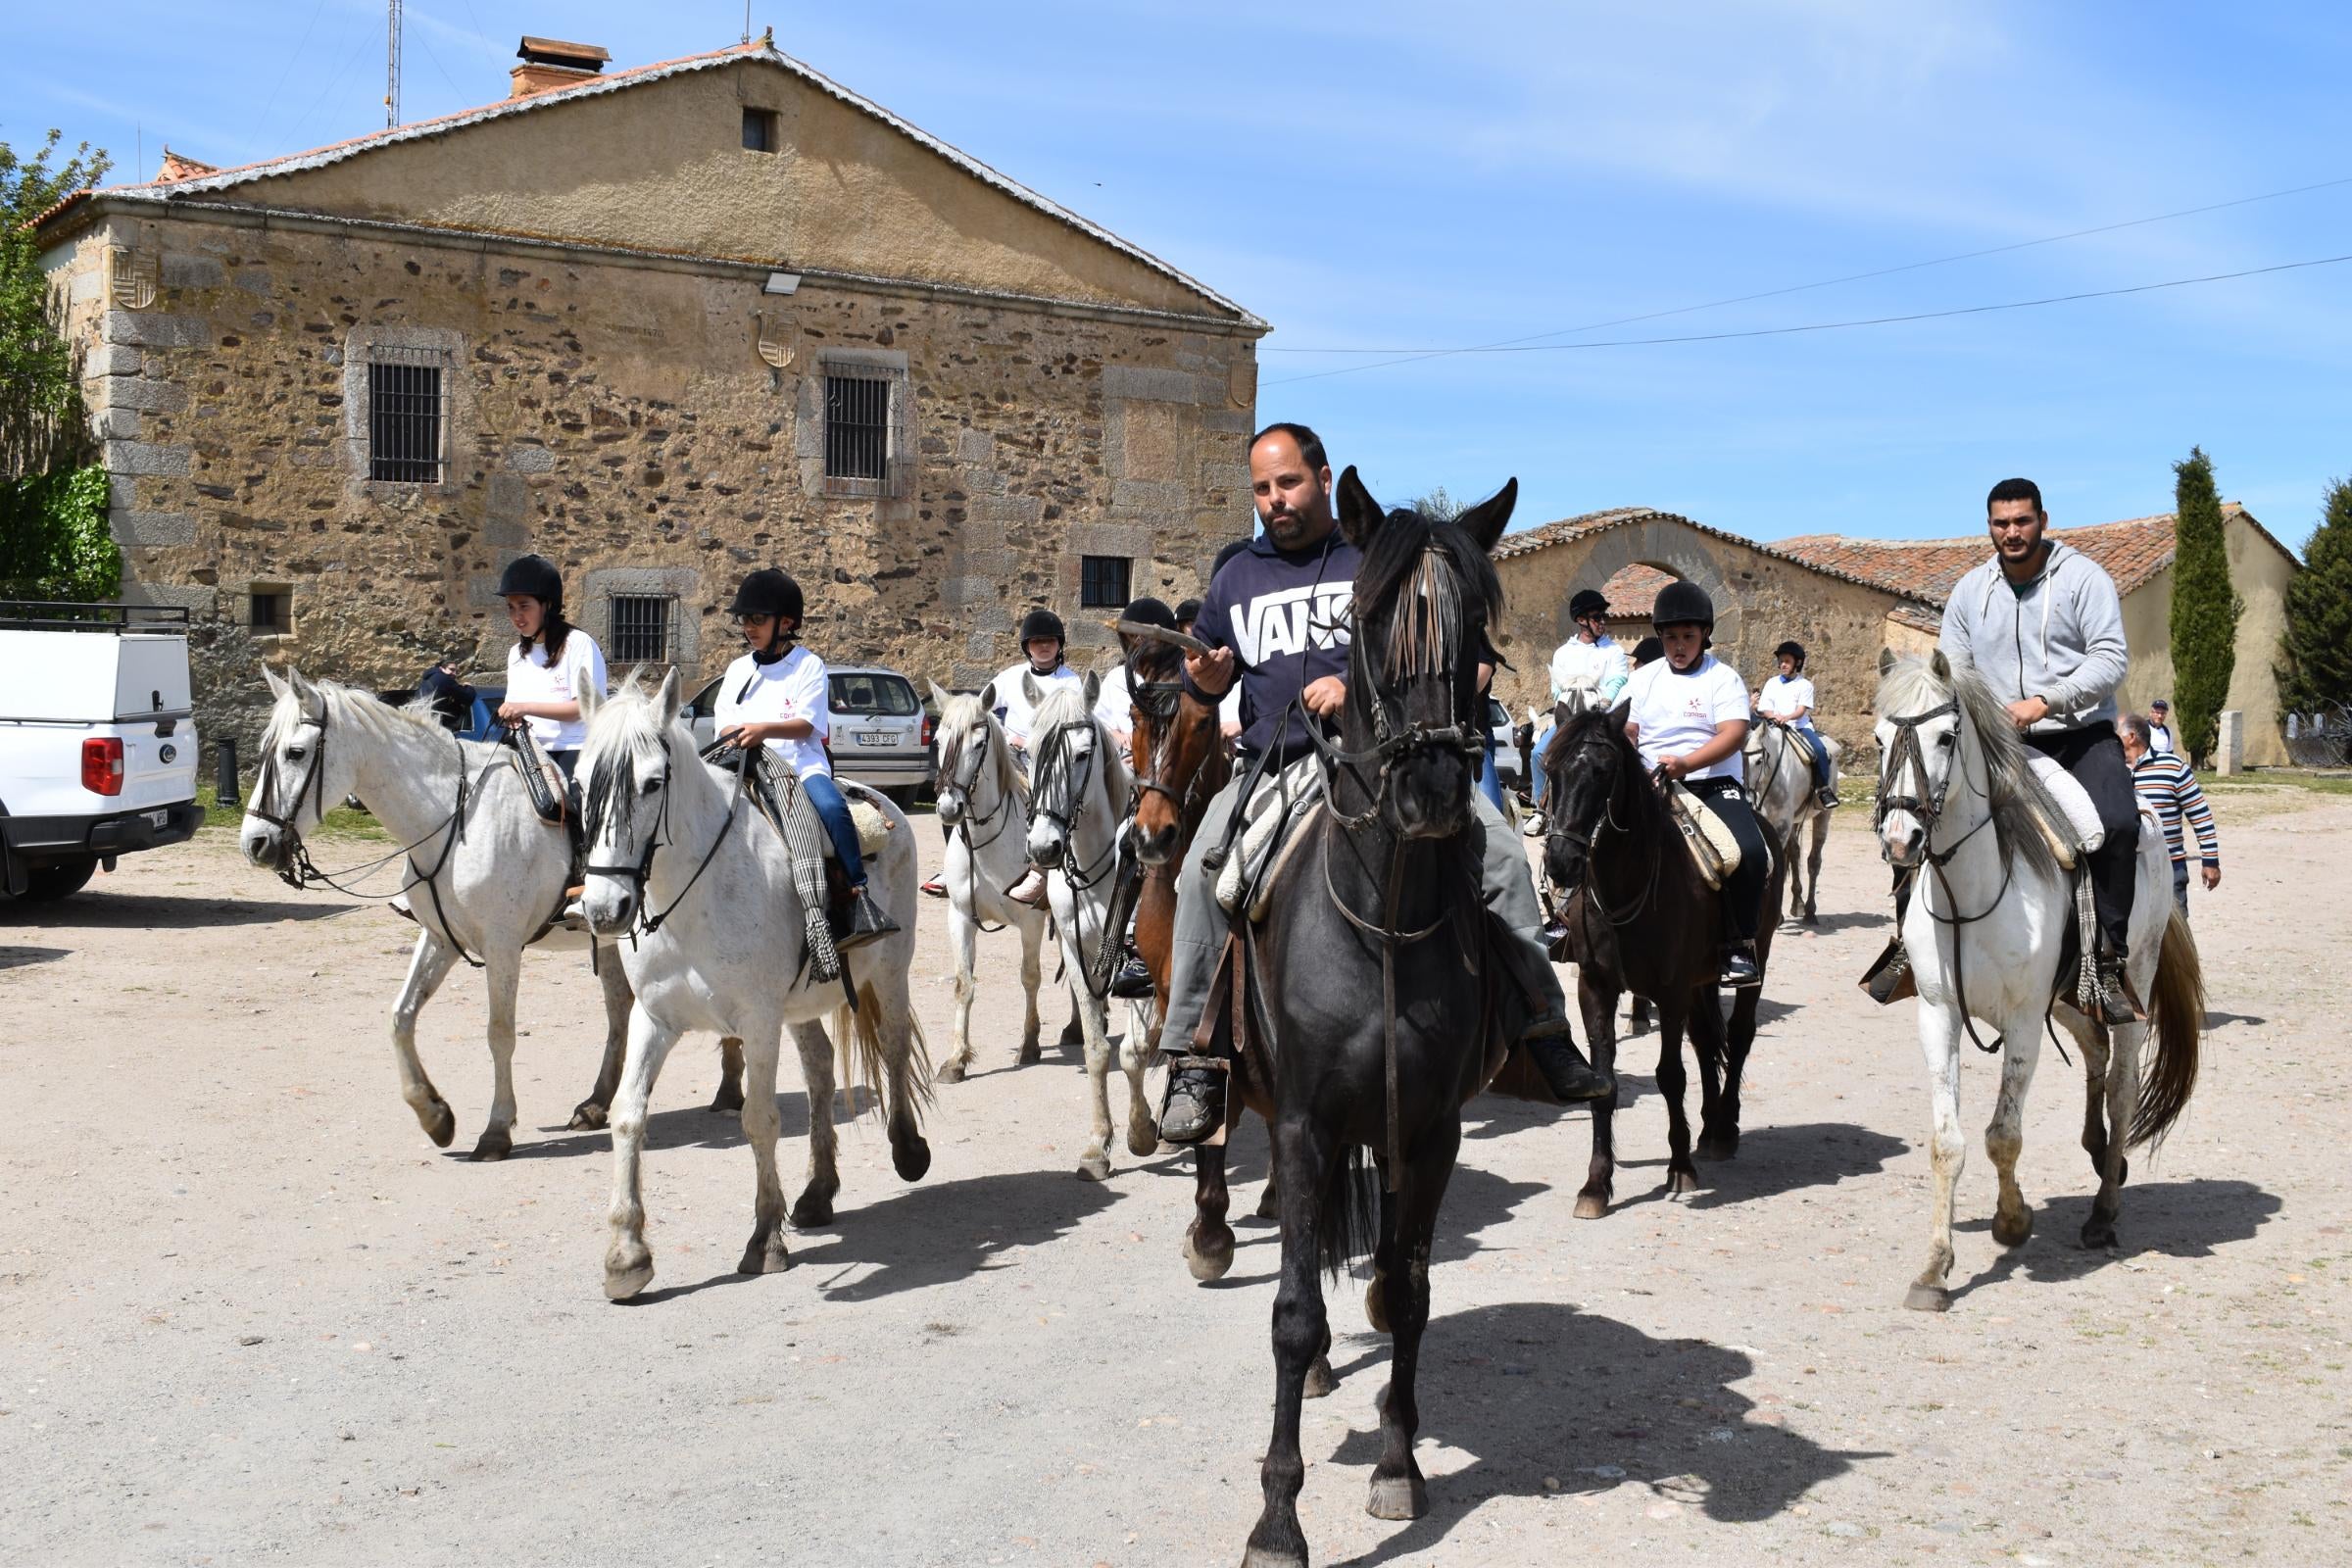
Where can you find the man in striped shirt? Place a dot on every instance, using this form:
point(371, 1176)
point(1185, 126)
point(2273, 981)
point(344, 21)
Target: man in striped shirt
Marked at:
point(2164, 783)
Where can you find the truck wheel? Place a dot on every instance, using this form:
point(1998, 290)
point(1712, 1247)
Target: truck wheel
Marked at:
point(45, 883)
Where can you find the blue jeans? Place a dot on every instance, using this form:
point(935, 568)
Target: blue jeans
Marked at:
point(564, 762)
point(834, 812)
point(1488, 784)
point(1535, 786)
point(1820, 756)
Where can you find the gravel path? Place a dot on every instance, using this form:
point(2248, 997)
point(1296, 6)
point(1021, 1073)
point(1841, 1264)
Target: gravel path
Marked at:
point(248, 1314)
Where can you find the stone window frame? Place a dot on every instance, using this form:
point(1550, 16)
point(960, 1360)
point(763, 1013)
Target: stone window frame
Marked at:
point(681, 585)
point(458, 418)
point(888, 366)
point(667, 607)
point(766, 124)
point(270, 589)
point(1125, 582)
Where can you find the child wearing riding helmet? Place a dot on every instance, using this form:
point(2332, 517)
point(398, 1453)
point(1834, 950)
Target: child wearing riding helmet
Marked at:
point(1689, 717)
point(775, 696)
point(1042, 644)
point(1789, 698)
point(552, 664)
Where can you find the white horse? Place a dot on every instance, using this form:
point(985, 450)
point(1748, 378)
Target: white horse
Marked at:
point(483, 873)
point(1989, 915)
point(681, 863)
point(1781, 779)
point(984, 803)
point(1078, 791)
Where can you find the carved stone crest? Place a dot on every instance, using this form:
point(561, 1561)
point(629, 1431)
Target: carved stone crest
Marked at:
point(130, 278)
point(1241, 384)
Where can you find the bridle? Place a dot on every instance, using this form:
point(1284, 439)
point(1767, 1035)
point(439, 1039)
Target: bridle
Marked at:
point(1589, 840)
point(964, 765)
point(1059, 783)
point(1163, 701)
point(1392, 736)
point(623, 785)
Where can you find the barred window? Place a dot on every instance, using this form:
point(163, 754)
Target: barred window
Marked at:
point(1103, 581)
point(270, 610)
point(865, 442)
point(640, 628)
point(407, 411)
point(758, 131)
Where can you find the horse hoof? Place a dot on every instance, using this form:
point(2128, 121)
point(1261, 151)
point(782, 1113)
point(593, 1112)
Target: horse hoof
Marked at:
point(1811, 918)
point(1718, 1146)
point(812, 1210)
point(1376, 1304)
point(495, 1144)
point(911, 1159)
point(1266, 1557)
point(441, 1126)
point(1269, 1204)
point(1397, 1497)
point(1927, 1298)
point(1030, 1055)
point(622, 1283)
point(1208, 1254)
point(1143, 1139)
point(950, 1071)
point(1093, 1168)
point(586, 1117)
point(1321, 1381)
point(728, 1102)
point(2098, 1233)
point(1681, 1182)
point(2013, 1233)
point(764, 1255)
point(1591, 1205)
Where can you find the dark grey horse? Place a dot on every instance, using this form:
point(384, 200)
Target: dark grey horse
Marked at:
point(1368, 1004)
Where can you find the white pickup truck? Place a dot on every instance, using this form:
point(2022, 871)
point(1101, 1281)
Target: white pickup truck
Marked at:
point(97, 741)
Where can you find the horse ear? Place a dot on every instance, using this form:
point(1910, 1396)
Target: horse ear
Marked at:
point(1485, 522)
point(1941, 666)
point(1029, 689)
point(1886, 659)
point(1094, 686)
point(988, 696)
point(669, 698)
point(590, 700)
point(1360, 516)
point(1623, 714)
point(278, 682)
point(938, 696)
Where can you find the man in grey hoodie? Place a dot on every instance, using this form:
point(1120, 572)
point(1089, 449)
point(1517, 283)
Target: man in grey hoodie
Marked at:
point(2041, 624)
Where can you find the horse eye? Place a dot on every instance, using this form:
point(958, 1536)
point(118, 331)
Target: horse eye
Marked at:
point(649, 786)
point(294, 754)
point(1944, 739)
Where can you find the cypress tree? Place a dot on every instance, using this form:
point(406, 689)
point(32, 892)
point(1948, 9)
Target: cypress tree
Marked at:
point(2205, 609)
point(2318, 644)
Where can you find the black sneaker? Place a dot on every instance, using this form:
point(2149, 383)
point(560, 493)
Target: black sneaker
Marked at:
point(1564, 1068)
point(1740, 967)
point(1133, 982)
point(1195, 1105)
point(1829, 799)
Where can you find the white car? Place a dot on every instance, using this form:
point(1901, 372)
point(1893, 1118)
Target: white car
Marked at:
point(882, 734)
point(97, 741)
point(1506, 750)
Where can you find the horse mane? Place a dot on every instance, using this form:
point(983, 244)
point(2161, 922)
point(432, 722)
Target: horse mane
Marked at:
point(625, 725)
point(1067, 701)
point(1911, 685)
point(1423, 639)
point(365, 710)
point(963, 716)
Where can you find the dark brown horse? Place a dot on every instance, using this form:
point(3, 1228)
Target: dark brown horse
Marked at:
point(1641, 918)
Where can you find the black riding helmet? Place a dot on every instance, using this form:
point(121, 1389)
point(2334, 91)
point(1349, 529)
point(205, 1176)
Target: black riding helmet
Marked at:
point(768, 592)
point(1188, 610)
point(1042, 622)
point(1587, 601)
point(1792, 648)
point(534, 576)
point(1685, 603)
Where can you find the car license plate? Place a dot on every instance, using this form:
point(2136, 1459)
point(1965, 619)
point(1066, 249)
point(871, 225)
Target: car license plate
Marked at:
point(877, 736)
point(159, 819)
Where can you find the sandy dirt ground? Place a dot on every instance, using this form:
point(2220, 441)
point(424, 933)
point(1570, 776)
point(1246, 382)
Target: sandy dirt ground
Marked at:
point(248, 1314)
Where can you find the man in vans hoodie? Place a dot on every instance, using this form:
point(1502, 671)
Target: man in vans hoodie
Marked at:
point(2041, 624)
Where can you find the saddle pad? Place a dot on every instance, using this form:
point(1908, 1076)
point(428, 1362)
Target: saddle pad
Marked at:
point(873, 828)
point(2062, 806)
point(1275, 806)
point(1709, 839)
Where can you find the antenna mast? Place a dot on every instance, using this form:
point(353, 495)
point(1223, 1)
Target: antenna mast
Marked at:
point(391, 64)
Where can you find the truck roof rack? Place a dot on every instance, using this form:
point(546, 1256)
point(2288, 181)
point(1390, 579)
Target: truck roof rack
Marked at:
point(57, 615)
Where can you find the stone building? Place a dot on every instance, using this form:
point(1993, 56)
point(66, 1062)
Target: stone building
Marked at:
point(2137, 554)
point(1762, 595)
point(662, 325)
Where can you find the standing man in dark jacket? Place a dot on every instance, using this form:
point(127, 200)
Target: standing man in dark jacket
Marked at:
point(452, 698)
point(1275, 617)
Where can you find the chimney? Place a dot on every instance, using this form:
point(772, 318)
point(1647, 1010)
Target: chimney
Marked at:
point(179, 165)
point(551, 62)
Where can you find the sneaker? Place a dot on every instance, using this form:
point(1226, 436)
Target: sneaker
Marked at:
point(1195, 1105)
point(1827, 798)
point(2116, 1003)
point(1740, 967)
point(936, 887)
point(1133, 982)
point(1572, 1078)
point(1029, 890)
point(1890, 980)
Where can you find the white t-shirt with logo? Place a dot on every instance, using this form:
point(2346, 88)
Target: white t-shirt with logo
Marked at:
point(1677, 714)
point(1784, 695)
point(793, 687)
point(531, 679)
point(1014, 710)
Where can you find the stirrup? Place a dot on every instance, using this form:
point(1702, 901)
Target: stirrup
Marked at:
point(1890, 979)
point(868, 922)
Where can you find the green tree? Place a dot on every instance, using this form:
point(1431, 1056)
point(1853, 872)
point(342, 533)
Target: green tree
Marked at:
point(2318, 644)
point(2205, 609)
point(1437, 506)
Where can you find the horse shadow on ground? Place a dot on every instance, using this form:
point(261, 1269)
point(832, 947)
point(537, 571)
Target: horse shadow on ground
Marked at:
point(1500, 1115)
point(692, 1127)
point(1540, 1391)
point(1774, 1160)
point(138, 911)
point(1827, 924)
point(2179, 1220)
point(925, 1235)
point(25, 958)
point(2215, 1020)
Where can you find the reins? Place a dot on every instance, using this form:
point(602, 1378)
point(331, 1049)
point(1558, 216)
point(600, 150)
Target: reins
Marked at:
point(647, 923)
point(1001, 816)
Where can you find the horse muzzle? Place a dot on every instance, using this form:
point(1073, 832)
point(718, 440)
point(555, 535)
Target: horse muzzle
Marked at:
point(265, 845)
point(1048, 850)
point(611, 905)
point(951, 806)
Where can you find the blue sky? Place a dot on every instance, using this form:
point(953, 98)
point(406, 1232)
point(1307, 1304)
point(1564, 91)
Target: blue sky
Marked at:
point(1374, 177)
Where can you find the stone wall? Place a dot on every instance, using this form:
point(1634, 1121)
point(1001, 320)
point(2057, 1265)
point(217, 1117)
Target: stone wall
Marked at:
point(623, 417)
point(1761, 600)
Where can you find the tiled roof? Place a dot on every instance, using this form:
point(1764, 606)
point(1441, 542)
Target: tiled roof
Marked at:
point(1917, 617)
point(2132, 551)
point(1633, 590)
point(1582, 526)
point(614, 81)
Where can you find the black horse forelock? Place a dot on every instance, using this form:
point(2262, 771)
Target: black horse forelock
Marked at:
point(1395, 554)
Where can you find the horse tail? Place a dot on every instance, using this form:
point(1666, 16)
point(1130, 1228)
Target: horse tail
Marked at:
point(2178, 1021)
point(1348, 1226)
point(865, 1053)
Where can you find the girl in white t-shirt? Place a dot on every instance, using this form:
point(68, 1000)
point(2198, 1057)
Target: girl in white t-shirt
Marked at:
point(1789, 698)
point(776, 698)
point(552, 664)
point(1689, 720)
